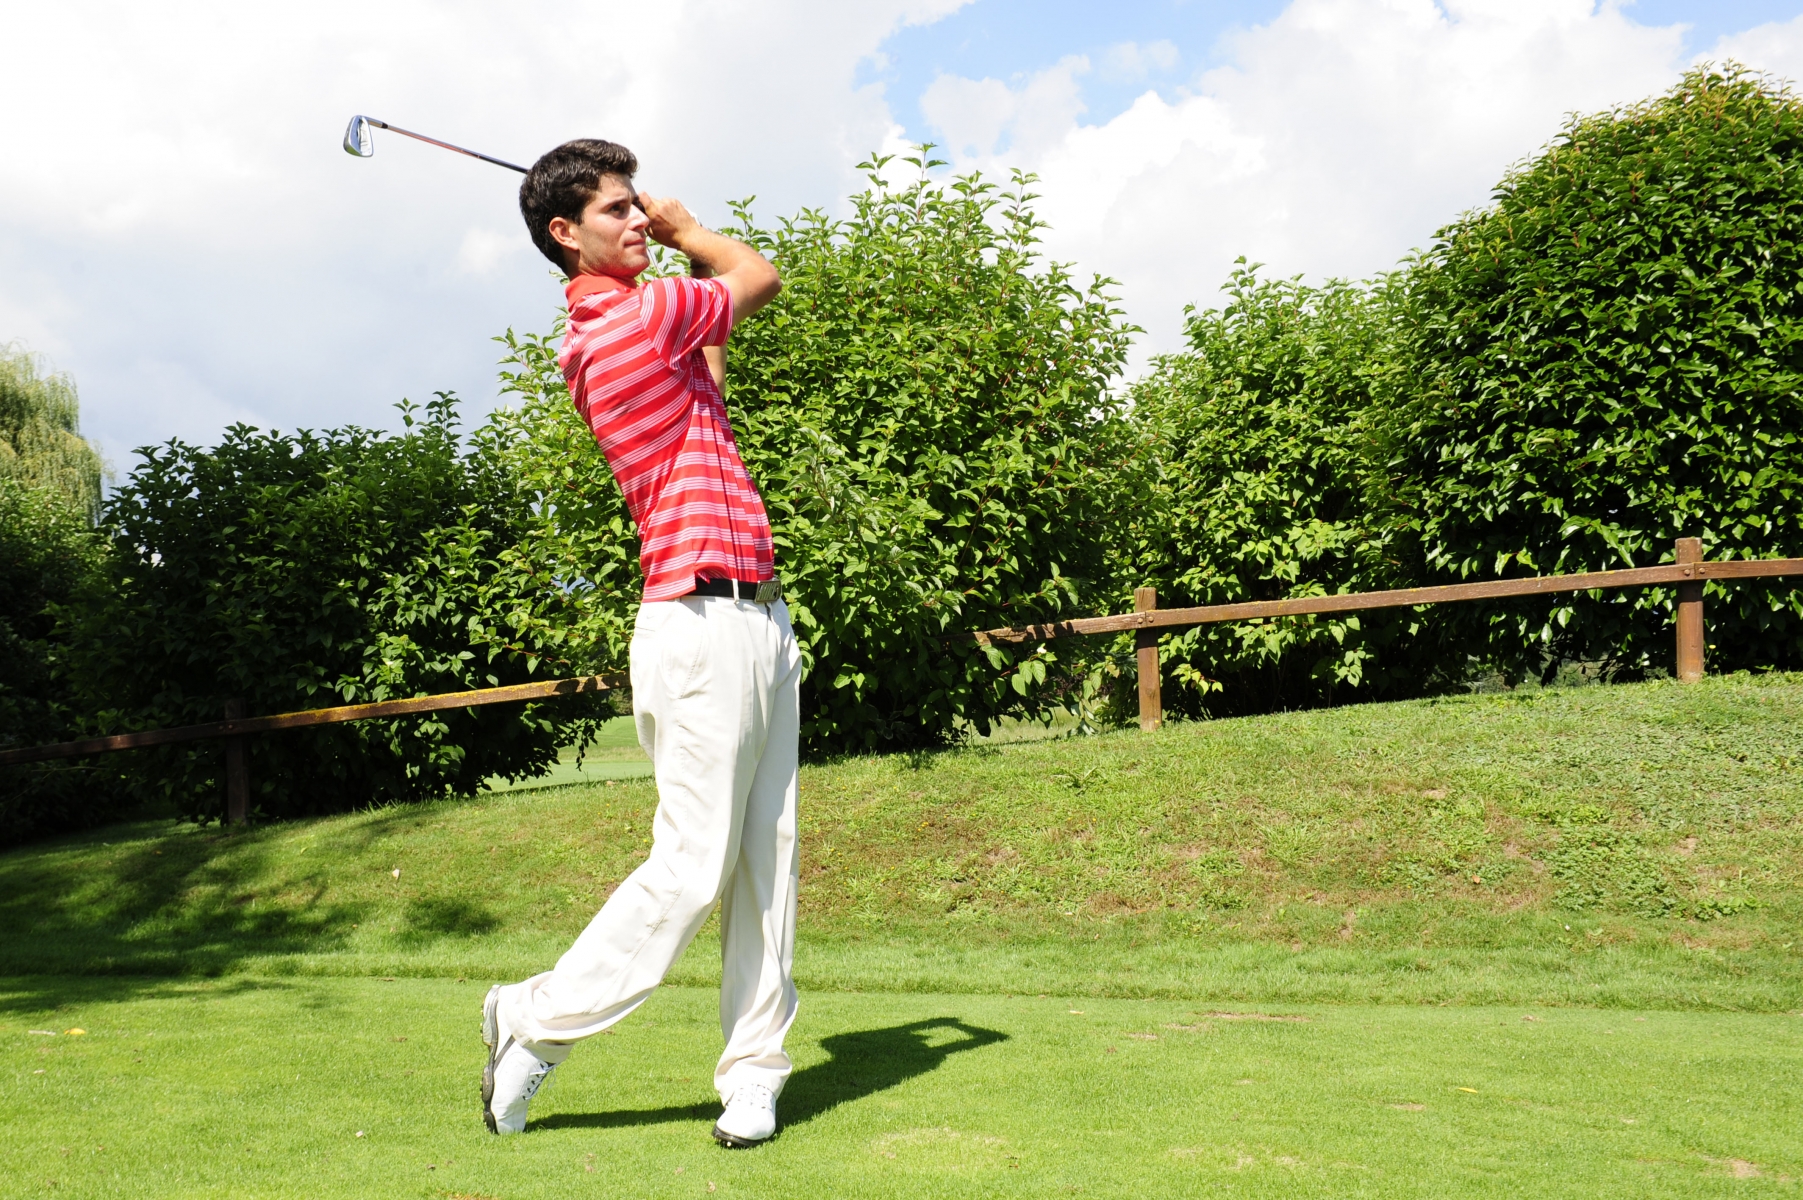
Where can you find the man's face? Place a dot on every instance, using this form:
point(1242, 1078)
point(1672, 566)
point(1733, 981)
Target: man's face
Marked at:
point(610, 239)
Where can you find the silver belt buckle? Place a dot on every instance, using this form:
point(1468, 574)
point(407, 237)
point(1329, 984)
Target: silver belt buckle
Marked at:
point(769, 592)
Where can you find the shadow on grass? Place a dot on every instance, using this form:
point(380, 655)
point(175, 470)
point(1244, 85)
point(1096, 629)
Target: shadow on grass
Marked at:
point(37, 994)
point(858, 1064)
point(160, 899)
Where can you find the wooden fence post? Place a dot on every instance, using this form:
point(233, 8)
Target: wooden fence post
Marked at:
point(1145, 641)
point(237, 769)
point(1690, 614)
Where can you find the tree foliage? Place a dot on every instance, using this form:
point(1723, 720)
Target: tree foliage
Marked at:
point(1260, 436)
point(1609, 357)
point(1605, 358)
point(580, 530)
point(925, 411)
point(50, 559)
point(313, 569)
point(40, 432)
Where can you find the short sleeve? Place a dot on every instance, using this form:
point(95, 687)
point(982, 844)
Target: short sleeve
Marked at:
point(681, 314)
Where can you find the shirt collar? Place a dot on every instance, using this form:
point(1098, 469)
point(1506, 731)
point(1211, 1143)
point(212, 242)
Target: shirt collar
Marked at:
point(588, 285)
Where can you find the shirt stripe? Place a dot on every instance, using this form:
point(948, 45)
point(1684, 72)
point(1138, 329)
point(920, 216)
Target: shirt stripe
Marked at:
point(632, 358)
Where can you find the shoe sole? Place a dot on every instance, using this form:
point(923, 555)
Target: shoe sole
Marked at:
point(491, 1036)
point(734, 1142)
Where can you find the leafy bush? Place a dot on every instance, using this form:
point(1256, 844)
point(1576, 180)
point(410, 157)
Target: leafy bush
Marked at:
point(1609, 357)
point(49, 557)
point(315, 569)
point(1261, 434)
point(924, 409)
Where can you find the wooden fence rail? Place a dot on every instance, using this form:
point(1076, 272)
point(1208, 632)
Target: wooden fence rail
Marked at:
point(1689, 572)
point(236, 727)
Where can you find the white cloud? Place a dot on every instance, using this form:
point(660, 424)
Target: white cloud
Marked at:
point(970, 114)
point(180, 229)
point(185, 236)
point(1133, 61)
point(485, 249)
point(976, 115)
point(1776, 47)
point(1342, 134)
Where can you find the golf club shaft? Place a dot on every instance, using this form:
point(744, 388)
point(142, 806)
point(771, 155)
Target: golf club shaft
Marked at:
point(446, 145)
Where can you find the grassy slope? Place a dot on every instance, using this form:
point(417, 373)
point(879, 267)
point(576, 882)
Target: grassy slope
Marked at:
point(1589, 845)
point(259, 1088)
point(1599, 849)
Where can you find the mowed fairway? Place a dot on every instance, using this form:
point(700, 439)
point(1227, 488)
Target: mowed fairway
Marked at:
point(261, 1088)
point(1536, 944)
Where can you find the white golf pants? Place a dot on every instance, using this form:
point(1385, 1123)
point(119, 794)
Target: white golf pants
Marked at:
point(715, 692)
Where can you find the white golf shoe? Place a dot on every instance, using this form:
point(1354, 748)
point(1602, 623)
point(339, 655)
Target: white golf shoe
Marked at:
point(512, 1075)
point(750, 1117)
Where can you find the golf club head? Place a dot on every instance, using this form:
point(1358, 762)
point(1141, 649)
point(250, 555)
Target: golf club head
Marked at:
point(357, 139)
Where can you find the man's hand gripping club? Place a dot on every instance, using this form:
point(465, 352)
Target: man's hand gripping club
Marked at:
point(748, 275)
point(609, 239)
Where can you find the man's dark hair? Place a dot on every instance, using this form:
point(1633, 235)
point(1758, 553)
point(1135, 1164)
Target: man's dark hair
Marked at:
point(562, 183)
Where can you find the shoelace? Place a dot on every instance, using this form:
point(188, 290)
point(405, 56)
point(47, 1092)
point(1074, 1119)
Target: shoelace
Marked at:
point(754, 1094)
point(536, 1077)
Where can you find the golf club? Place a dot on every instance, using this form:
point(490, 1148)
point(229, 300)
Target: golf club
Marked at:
point(359, 141)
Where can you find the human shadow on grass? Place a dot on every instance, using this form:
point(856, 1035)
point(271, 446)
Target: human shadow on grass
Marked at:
point(858, 1064)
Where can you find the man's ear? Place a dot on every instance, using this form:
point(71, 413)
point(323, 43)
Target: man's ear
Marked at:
point(563, 232)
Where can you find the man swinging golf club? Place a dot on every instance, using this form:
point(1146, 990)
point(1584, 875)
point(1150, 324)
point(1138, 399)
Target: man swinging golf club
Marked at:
point(715, 670)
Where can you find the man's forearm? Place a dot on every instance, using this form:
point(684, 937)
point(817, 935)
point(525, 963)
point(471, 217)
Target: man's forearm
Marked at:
point(752, 281)
point(714, 253)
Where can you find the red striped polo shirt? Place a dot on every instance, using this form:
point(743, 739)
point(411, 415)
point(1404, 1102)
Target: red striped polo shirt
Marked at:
point(632, 357)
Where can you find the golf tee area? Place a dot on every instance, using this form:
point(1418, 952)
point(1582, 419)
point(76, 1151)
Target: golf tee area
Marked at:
point(1542, 942)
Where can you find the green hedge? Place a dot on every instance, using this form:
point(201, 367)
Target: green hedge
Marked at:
point(1604, 358)
point(1262, 438)
point(314, 569)
point(1608, 357)
point(925, 409)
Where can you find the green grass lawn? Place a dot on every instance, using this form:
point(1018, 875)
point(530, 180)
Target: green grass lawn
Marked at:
point(1624, 864)
point(615, 755)
point(251, 1087)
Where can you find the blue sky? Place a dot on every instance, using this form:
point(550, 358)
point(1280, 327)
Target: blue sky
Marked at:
point(1006, 39)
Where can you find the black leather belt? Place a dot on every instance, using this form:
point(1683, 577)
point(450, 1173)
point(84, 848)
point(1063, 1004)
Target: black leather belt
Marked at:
point(740, 589)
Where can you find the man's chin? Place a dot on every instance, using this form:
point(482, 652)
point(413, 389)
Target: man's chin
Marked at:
point(626, 272)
